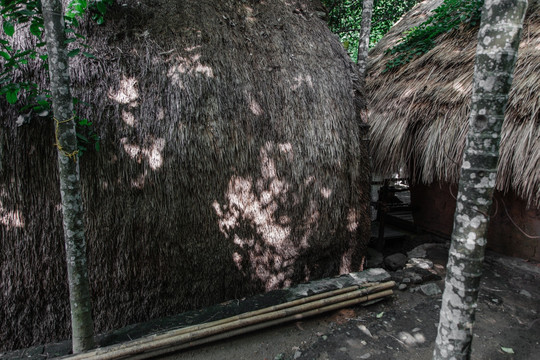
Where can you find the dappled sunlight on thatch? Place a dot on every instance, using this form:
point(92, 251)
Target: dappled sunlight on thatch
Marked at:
point(419, 113)
point(11, 219)
point(266, 205)
point(189, 65)
point(126, 92)
point(151, 153)
point(232, 161)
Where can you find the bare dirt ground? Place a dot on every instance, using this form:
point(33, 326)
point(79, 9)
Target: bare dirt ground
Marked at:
point(404, 327)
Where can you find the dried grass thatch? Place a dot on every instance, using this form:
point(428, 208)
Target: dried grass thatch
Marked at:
point(419, 113)
point(232, 162)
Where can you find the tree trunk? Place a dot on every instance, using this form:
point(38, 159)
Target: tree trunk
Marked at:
point(498, 43)
point(72, 211)
point(363, 43)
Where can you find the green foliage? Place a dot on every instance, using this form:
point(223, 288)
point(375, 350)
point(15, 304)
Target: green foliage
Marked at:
point(86, 136)
point(18, 12)
point(385, 15)
point(345, 18)
point(419, 40)
point(98, 9)
point(25, 15)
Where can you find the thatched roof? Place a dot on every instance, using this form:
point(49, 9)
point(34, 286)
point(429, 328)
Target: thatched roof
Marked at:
point(419, 112)
point(231, 163)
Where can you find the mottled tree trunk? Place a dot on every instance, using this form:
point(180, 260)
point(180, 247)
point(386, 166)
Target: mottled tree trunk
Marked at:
point(72, 211)
point(498, 43)
point(363, 43)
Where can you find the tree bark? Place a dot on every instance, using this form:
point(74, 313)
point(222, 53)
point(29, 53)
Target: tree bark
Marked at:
point(498, 43)
point(72, 210)
point(363, 43)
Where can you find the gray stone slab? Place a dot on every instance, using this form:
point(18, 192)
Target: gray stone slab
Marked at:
point(329, 284)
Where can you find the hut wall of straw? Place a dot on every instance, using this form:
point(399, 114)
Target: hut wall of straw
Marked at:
point(419, 120)
point(231, 163)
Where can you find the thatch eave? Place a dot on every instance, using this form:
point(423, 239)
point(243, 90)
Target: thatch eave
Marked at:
point(419, 112)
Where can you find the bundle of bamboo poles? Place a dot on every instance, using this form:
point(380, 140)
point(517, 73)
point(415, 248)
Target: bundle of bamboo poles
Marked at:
point(179, 339)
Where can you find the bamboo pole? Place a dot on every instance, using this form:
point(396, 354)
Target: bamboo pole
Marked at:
point(179, 337)
point(263, 325)
point(264, 310)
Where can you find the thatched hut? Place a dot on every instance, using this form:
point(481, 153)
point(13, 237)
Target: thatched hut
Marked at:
point(231, 162)
point(419, 121)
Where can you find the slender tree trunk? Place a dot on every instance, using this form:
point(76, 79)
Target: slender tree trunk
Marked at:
point(498, 43)
point(72, 210)
point(363, 43)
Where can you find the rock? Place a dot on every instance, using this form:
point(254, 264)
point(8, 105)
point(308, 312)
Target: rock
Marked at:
point(430, 289)
point(323, 356)
point(365, 356)
point(418, 252)
point(329, 284)
point(414, 275)
point(422, 250)
point(416, 279)
point(402, 287)
point(369, 275)
point(395, 262)
point(297, 354)
point(425, 264)
point(365, 330)
point(525, 293)
point(407, 338)
point(374, 258)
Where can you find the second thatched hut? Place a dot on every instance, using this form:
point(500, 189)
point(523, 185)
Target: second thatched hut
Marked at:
point(419, 121)
point(231, 163)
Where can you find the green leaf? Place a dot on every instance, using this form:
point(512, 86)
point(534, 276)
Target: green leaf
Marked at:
point(35, 29)
point(11, 96)
point(5, 55)
point(26, 12)
point(96, 145)
point(9, 29)
point(380, 315)
point(507, 350)
point(83, 138)
point(22, 53)
point(88, 55)
point(74, 52)
point(74, 22)
point(102, 8)
point(44, 104)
